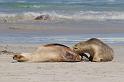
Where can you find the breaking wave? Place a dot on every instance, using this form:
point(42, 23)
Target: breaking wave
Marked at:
point(53, 16)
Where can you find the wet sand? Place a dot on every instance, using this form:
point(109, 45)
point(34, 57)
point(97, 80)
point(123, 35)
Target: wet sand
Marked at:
point(59, 71)
point(63, 28)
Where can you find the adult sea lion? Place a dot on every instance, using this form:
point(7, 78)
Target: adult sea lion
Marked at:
point(49, 53)
point(98, 50)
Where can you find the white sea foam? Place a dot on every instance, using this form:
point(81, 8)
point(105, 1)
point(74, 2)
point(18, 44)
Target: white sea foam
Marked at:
point(82, 15)
point(21, 1)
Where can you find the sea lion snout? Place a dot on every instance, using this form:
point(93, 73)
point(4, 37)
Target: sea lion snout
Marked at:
point(19, 58)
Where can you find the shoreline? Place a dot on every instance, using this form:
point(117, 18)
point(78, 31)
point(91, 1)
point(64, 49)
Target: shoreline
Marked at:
point(65, 27)
point(61, 33)
point(19, 38)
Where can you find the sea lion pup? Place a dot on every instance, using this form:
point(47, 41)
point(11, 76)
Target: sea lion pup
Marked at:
point(49, 53)
point(98, 51)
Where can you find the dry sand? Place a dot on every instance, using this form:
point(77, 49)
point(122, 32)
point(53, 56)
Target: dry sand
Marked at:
point(59, 71)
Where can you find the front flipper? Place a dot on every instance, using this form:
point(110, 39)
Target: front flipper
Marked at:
point(71, 56)
point(90, 58)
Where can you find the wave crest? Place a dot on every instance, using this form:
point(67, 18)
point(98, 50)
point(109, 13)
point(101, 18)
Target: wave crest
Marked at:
point(82, 15)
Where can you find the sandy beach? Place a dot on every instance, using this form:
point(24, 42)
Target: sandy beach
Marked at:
point(18, 38)
point(27, 24)
point(58, 71)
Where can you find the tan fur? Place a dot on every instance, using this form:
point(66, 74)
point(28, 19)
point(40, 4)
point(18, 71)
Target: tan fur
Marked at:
point(98, 50)
point(49, 53)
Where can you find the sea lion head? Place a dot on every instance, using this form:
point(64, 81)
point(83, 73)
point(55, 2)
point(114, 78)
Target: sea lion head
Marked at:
point(21, 57)
point(78, 48)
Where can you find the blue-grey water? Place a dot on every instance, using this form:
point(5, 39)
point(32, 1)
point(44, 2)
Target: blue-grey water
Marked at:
point(103, 14)
point(62, 9)
point(69, 40)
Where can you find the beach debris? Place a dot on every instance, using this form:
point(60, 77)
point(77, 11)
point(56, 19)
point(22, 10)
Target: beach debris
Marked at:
point(7, 52)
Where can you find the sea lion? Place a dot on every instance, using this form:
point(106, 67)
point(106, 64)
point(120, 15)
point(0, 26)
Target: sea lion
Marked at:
point(49, 53)
point(42, 17)
point(98, 50)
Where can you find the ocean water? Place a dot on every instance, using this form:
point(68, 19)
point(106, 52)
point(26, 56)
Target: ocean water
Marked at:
point(68, 39)
point(66, 12)
point(18, 10)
